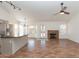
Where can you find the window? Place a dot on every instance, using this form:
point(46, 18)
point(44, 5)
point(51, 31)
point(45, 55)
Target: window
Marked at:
point(43, 34)
point(16, 32)
point(42, 27)
point(21, 30)
point(63, 28)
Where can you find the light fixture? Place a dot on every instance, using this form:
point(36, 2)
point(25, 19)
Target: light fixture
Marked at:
point(61, 12)
point(10, 3)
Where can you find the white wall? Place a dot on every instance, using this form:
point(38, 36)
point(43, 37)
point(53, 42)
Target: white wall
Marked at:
point(49, 26)
point(6, 14)
point(73, 29)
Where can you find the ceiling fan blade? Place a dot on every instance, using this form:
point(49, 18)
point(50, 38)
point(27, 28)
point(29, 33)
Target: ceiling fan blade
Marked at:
point(66, 12)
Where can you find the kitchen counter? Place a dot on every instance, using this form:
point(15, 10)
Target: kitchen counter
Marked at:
point(14, 36)
point(9, 45)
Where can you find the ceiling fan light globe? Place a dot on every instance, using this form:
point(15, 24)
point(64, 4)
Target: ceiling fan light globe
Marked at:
point(61, 13)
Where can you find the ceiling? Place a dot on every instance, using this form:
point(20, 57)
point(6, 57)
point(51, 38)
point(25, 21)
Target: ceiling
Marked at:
point(45, 10)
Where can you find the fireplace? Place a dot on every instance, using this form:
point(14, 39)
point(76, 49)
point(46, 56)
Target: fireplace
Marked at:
point(53, 34)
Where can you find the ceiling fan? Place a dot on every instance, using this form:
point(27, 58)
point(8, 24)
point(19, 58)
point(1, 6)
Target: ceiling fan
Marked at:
point(63, 8)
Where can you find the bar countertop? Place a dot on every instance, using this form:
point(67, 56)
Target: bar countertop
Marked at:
point(14, 36)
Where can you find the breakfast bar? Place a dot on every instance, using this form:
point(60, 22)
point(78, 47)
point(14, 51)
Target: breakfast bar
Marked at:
point(10, 45)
